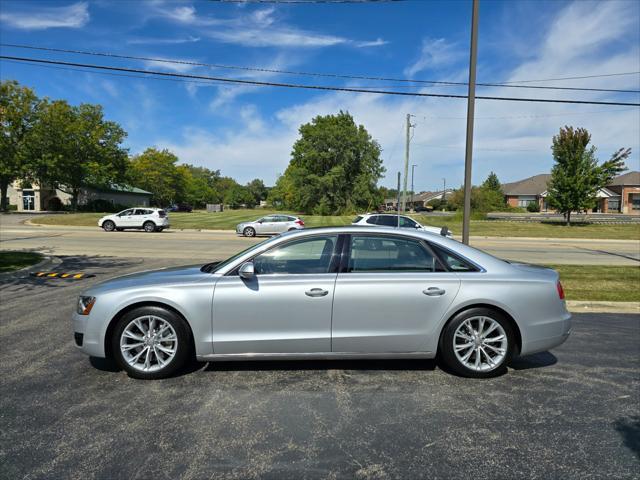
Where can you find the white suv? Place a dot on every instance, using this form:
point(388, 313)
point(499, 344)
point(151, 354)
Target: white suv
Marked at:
point(390, 220)
point(149, 219)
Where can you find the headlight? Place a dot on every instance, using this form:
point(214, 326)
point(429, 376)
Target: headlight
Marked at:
point(85, 304)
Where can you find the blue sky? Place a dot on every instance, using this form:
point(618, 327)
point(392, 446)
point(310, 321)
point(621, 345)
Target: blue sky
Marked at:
point(247, 131)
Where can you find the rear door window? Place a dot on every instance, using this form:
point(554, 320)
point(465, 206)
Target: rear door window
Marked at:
point(373, 220)
point(372, 253)
point(388, 220)
point(407, 223)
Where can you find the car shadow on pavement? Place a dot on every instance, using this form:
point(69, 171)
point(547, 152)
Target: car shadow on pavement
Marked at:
point(277, 365)
point(629, 429)
point(537, 360)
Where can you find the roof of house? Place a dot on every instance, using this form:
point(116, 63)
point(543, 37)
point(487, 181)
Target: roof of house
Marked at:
point(629, 178)
point(123, 188)
point(529, 186)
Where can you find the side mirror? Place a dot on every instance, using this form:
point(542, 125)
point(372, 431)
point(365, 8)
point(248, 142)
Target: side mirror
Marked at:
point(246, 271)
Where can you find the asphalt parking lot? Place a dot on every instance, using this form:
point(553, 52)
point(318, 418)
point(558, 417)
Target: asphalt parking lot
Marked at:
point(570, 413)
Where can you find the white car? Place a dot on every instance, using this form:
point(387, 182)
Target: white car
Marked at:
point(390, 220)
point(147, 219)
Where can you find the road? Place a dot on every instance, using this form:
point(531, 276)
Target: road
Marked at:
point(570, 413)
point(200, 246)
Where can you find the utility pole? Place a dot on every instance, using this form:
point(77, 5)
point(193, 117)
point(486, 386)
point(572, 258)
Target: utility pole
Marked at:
point(406, 164)
point(398, 204)
point(413, 192)
point(444, 188)
point(473, 55)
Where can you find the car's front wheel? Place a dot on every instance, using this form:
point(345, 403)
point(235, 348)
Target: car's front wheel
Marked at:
point(149, 227)
point(249, 232)
point(478, 343)
point(151, 343)
point(108, 226)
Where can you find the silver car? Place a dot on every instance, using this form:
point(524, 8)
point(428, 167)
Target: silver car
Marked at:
point(270, 225)
point(329, 293)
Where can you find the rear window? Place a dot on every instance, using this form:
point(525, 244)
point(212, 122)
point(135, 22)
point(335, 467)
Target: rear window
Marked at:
point(453, 261)
point(162, 213)
point(357, 219)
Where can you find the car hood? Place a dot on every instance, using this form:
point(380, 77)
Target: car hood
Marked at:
point(166, 276)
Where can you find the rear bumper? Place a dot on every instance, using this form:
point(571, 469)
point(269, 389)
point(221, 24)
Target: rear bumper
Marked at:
point(548, 335)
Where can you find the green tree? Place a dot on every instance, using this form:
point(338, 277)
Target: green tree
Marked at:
point(18, 113)
point(335, 166)
point(74, 147)
point(156, 171)
point(200, 185)
point(237, 196)
point(576, 176)
point(483, 200)
point(257, 190)
point(492, 183)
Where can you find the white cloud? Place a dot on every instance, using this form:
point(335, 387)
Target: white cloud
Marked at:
point(167, 65)
point(72, 16)
point(259, 28)
point(162, 41)
point(435, 53)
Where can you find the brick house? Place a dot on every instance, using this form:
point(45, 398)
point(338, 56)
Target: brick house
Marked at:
point(622, 195)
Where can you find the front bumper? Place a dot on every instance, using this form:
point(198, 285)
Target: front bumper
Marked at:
point(88, 337)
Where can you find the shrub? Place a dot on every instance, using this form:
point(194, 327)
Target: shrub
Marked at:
point(533, 207)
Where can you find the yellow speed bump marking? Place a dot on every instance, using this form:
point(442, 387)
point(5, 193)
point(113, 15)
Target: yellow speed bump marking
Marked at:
point(69, 276)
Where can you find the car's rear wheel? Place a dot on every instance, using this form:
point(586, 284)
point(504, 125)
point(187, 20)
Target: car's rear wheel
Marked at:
point(108, 226)
point(478, 343)
point(150, 343)
point(149, 227)
point(292, 229)
point(249, 232)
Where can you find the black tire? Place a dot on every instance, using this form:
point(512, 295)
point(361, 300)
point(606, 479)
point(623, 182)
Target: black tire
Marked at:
point(291, 229)
point(159, 229)
point(451, 360)
point(149, 226)
point(108, 226)
point(249, 232)
point(183, 351)
point(119, 229)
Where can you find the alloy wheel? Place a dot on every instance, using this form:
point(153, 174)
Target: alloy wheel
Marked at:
point(148, 343)
point(480, 343)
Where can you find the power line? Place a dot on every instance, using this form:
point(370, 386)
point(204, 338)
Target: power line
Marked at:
point(503, 117)
point(572, 78)
point(326, 75)
point(308, 87)
point(307, 1)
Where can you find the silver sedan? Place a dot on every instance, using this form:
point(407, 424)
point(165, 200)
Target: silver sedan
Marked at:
point(330, 293)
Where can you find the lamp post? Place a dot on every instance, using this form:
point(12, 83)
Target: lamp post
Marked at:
point(413, 192)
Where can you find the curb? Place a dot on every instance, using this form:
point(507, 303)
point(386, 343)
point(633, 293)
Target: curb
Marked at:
point(585, 306)
point(45, 263)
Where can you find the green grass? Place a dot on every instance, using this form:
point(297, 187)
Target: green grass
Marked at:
point(600, 282)
point(10, 261)
point(228, 219)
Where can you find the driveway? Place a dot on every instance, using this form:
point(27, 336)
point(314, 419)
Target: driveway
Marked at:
point(569, 413)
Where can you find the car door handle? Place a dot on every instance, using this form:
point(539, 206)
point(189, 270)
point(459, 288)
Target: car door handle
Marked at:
point(433, 291)
point(316, 292)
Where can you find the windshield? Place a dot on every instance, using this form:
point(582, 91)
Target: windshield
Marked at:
point(217, 266)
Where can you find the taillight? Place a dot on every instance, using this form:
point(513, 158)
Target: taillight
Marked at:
point(560, 290)
point(300, 222)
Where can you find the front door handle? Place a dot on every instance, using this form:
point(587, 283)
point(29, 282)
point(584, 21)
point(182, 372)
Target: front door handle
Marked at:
point(316, 292)
point(433, 291)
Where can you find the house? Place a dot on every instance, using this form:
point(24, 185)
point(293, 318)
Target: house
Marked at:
point(622, 195)
point(419, 199)
point(31, 197)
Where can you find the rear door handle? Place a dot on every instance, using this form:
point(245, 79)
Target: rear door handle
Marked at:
point(316, 292)
point(433, 291)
